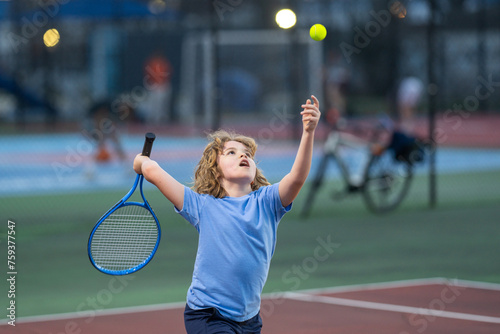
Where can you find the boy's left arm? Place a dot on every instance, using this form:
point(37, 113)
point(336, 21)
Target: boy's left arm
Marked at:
point(291, 184)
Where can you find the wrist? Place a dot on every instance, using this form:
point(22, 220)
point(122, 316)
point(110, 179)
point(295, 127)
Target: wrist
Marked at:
point(308, 132)
point(148, 168)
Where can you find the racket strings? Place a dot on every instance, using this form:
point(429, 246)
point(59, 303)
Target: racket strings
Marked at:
point(125, 239)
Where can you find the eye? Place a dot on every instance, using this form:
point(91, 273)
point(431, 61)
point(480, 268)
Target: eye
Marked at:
point(230, 152)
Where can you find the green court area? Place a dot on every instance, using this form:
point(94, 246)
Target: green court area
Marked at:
point(341, 243)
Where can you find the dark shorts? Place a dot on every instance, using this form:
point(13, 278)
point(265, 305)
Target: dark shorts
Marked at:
point(209, 320)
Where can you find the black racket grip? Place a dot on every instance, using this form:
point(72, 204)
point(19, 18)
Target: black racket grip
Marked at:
point(148, 144)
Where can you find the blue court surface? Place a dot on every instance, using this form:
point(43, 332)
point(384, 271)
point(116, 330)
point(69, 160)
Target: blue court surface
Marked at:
point(55, 163)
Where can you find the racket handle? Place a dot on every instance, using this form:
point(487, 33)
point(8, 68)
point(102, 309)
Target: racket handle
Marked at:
point(148, 144)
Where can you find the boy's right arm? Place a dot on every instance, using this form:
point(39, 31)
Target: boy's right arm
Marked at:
point(172, 189)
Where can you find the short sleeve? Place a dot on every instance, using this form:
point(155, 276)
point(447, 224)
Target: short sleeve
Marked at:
point(273, 195)
point(193, 204)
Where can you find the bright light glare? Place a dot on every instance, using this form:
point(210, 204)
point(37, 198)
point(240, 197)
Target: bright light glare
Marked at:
point(51, 37)
point(286, 18)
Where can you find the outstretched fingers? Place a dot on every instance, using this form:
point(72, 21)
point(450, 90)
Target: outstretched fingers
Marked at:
point(310, 114)
point(316, 102)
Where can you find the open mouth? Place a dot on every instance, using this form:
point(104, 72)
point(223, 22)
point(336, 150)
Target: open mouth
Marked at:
point(244, 163)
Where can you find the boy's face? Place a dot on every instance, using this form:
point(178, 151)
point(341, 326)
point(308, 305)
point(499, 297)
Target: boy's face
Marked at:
point(236, 163)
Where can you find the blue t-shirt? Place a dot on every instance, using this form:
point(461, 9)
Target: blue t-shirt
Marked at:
point(237, 237)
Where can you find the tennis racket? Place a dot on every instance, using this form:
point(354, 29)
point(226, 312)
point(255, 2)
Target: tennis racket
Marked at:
point(126, 238)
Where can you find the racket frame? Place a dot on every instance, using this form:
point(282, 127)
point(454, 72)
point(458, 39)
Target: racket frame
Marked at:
point(122, 203)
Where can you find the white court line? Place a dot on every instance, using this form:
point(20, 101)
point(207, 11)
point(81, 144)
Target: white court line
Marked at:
point(88, 313)
point(346, 288)
point(402, 284)
point(390, 307)
point(478, 285)
point(381, 285)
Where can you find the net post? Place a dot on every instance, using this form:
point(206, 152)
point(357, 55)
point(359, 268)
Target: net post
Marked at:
point(431, 36)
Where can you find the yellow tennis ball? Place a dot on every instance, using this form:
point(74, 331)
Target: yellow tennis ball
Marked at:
point(318, 32)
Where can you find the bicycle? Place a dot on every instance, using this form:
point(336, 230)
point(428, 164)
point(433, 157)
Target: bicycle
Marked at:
point(386, 177)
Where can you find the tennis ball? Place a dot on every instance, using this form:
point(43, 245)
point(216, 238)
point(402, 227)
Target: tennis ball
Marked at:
point(318, 32)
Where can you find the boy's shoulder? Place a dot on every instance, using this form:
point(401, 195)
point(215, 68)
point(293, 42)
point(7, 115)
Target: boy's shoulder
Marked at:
point(270, 187)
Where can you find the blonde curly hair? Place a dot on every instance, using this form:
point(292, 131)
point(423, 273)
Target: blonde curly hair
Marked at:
point(207, 174)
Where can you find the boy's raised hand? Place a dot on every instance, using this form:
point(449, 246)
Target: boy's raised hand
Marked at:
point(310, 114)
point(138, 161)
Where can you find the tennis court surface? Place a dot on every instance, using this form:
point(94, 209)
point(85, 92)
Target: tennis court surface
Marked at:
point(429, 306)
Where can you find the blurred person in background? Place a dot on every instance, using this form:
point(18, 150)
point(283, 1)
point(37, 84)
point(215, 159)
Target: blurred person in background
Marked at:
point(336, 85)
point(408, 97)
point(157, 81)
point(101, 127)
point(404, 142)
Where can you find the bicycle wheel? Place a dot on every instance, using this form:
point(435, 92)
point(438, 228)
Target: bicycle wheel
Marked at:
point(386, 182)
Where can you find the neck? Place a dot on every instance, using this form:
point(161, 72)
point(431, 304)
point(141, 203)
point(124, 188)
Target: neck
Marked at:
point(236, 189)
